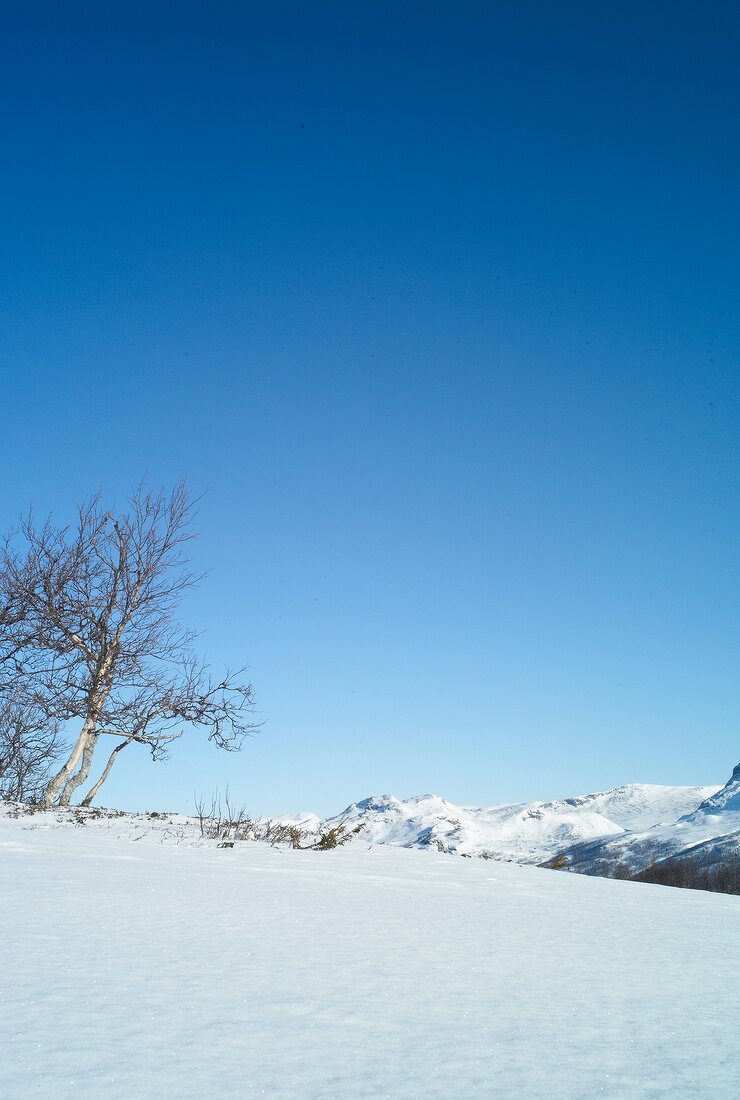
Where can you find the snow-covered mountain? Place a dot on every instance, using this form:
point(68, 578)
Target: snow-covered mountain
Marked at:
point(710, 832)
point(517, 832)
point(725, 801)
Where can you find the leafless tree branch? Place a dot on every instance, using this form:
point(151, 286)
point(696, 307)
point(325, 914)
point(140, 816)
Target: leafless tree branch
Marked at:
point(88, 631)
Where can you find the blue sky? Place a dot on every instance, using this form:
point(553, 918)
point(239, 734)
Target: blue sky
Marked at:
point(438, 303)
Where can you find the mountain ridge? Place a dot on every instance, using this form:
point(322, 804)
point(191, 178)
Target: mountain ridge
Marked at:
point(528, 832)
point(710, 832)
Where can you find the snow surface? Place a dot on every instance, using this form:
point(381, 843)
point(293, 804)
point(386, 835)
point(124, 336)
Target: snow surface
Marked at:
point(165, 967)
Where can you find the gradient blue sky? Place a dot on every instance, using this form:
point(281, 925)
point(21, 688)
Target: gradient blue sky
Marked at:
point(440, 303)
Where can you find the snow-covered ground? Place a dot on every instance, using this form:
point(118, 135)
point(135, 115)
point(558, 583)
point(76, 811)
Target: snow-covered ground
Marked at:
point(166, 967)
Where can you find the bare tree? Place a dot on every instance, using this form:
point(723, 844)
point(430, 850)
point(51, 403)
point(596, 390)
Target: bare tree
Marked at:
point(30, 747)
point(88, 632)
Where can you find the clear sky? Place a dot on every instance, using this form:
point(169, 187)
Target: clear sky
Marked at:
point(440, 303)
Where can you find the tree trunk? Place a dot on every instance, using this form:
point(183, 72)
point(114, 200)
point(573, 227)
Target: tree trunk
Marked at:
point(87, 800)
point(82, 773)
point(60, 780)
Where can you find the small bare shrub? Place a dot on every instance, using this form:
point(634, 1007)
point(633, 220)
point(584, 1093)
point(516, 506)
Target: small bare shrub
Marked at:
point(334, 838)
point(221, 820)
point(280, 832)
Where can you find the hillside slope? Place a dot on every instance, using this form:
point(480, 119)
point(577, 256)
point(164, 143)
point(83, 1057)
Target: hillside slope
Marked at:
point(137, 968)
point(710, 832)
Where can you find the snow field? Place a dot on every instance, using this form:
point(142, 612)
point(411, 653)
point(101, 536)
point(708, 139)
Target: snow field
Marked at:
point(134, 970)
